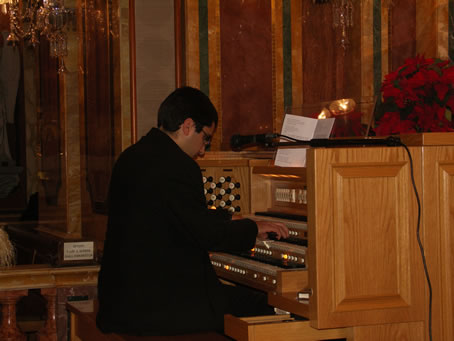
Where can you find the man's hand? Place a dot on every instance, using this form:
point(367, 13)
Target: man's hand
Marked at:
point(267, 227)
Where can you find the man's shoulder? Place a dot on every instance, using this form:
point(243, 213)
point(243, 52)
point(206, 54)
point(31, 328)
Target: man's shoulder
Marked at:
point(147, 155)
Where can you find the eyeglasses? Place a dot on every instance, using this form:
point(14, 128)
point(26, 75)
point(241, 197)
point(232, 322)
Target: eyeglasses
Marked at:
point(206, 138)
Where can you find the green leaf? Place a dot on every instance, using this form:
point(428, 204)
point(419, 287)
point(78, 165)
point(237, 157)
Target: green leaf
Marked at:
point(378, 109)
point(402, 70)
point(448, 114)
point(396, 84)
point(437, 69)
point(383, 107)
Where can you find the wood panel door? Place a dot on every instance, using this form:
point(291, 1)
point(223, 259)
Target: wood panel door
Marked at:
point(438, 235)
point(364, 263)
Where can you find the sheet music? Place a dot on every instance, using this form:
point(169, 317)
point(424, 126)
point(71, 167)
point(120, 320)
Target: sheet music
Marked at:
point(301, 128)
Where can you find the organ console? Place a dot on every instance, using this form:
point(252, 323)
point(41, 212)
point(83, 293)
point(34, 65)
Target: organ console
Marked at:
point(279, 195)
point(352, 252)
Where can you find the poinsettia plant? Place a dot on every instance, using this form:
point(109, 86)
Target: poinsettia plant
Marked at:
point(417, 97)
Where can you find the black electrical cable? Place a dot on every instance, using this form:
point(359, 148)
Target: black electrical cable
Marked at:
point(326, 142)
point(289, 138)
point(421, 247)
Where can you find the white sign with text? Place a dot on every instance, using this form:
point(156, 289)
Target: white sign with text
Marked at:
point(78, 251)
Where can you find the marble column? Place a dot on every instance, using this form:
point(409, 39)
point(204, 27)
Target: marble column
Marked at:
point(49, 331)
point(9, 330)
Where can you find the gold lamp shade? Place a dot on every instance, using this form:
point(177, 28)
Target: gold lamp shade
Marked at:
point(342, 106)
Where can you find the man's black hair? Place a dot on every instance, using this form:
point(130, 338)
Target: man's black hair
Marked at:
point(183, 103)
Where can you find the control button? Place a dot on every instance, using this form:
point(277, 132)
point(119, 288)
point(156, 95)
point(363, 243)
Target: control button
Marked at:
point(221, 179)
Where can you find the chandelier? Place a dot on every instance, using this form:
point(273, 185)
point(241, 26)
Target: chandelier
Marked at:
point(30, 19)
point(343, 15)
point(343, 18)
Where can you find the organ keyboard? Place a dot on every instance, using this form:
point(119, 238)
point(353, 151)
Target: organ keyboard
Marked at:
point(278, 253)
point(297, 229)
point(258, 275)
point(270, 265)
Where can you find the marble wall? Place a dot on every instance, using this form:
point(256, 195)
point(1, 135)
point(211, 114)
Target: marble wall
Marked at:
point(257, 58)
point(253, 58)
point(155, 59)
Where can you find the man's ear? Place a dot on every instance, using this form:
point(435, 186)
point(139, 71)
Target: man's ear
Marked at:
point(187, 126)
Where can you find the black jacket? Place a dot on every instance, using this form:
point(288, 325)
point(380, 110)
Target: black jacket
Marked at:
point(156, 276)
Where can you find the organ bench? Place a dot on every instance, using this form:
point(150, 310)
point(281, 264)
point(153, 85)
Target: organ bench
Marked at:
point(83, 327)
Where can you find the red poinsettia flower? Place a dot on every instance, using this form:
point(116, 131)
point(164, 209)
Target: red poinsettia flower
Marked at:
point(448, 75)
point(417, 97)
point(424, 116)
point(441, 89)
point(391, 123)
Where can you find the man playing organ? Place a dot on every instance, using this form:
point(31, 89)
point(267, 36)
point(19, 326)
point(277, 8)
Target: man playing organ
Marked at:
point(156, 276)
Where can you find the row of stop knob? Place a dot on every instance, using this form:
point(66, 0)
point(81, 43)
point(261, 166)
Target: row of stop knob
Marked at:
point(221, 181)
point(243, 272)
point(223, 187)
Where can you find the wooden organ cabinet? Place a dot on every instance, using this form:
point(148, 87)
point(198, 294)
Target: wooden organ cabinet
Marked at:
point(357, 257)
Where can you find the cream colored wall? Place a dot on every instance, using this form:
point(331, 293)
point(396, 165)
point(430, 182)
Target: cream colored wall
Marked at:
point(155, 59)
